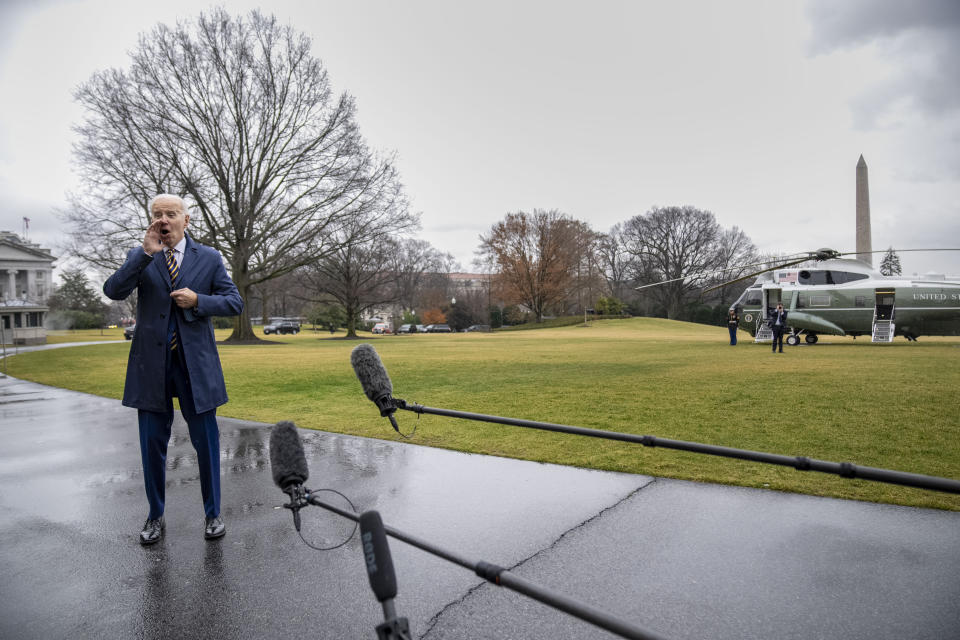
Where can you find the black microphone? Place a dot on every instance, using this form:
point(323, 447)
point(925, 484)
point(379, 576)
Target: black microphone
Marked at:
point(289, 465)
point(383, 581)
point(374, 380)
point(376, 552)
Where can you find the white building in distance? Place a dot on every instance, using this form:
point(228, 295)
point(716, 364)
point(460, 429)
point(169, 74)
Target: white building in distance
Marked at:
point(26, 281)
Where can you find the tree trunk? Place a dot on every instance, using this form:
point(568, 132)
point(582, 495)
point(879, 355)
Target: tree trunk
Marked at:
point(351, 321)
point(673, 310)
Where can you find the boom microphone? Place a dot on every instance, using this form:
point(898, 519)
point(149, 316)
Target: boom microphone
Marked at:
point(374, 380)
point(289, 465)
point(376, 553)
point(383, 581)
point(287, 460)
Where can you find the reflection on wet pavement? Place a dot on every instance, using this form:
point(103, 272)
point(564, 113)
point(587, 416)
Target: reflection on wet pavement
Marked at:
point(684, 559)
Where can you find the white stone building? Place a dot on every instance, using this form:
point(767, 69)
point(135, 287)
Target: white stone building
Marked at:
point(26, 281)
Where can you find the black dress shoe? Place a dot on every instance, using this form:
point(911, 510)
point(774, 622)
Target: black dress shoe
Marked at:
point(152, 531)
point(215, 528)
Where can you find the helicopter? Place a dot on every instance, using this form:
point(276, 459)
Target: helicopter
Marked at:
point(847, 297)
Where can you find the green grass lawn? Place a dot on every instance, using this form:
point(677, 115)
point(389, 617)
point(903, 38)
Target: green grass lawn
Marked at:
point(59, 336)
point(891, 406)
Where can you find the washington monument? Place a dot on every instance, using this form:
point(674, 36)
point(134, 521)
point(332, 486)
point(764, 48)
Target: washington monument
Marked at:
point(864, 243)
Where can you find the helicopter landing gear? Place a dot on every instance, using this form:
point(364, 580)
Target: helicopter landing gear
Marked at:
point(794, 338)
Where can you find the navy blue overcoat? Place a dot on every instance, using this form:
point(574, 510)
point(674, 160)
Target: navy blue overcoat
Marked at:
point(203, 272)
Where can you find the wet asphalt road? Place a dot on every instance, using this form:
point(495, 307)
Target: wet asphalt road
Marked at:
point(687, 560)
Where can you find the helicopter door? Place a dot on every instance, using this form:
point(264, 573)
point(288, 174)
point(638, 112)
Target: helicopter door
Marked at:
point(883, 316)
point(771, 298)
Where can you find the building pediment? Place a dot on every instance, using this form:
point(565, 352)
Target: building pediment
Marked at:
point(13, 252)
point(21, 305)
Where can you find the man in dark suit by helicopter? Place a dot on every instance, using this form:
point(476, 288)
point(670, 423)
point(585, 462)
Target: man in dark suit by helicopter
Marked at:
point(778, 324)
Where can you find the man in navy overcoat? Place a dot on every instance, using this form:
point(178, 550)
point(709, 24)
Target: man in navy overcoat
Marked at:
point(180, 284)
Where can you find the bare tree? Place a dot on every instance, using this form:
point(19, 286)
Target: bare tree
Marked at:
point(361, 272)
point(278, 297)
point(588, 281)
point(615, 262)
point(236, 114)
point(736, 256)
point(535, 256)
point(676, 247)
point(420, 268)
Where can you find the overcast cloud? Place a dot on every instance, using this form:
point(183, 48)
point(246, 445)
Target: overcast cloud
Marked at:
point(754, 110)
point(918, 41)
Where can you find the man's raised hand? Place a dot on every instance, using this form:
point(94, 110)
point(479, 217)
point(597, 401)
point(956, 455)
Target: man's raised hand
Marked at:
point(151, 239)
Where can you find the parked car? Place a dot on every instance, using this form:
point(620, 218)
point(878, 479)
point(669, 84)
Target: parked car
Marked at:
point(421, 328)
point(407, 328)
point(128, 332)
point(382, 327)
point(286, 326)
point(477, 327)
point(439, 328)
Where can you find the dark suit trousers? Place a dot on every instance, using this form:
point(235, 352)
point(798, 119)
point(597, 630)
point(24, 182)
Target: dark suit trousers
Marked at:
point(778, 337)
point(155, 436)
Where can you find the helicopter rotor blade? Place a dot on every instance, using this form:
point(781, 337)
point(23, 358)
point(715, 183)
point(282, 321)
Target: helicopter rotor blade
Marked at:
point(756, 273)
point(854, 253)
point(702, 274)
point(819, 255)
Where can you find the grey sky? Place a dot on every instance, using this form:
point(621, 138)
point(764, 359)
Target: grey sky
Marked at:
point(754, 110)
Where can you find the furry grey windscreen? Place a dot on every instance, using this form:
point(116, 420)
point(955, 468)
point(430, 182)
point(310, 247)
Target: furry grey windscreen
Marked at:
point(287, 460)
point(370, 372)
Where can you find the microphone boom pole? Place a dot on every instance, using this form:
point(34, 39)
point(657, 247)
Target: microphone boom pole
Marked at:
point(504, 578)
point(376, 384)
point(800, 463)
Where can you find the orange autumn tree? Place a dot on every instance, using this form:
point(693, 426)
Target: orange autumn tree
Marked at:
point(433, 316)
point(535, 256)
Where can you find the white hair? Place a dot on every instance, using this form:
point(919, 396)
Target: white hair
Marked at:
point(183, 203)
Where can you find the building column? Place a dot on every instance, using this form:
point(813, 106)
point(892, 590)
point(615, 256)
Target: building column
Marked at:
point(11, 284)
point(31, 284)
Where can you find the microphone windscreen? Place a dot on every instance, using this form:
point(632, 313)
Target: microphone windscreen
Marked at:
point(370, 372)
point(376, 553)
point(287, 460)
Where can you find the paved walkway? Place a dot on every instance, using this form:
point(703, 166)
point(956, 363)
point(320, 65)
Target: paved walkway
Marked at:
point(687, 560)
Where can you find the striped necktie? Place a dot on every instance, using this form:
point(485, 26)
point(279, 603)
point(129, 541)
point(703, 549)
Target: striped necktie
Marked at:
point(174, 275)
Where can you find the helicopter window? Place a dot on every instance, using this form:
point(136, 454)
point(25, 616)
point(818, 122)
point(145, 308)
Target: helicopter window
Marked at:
point(839, 277)
point(813, 277)
point(829, 277)
point(820, 301)
point(860, 301)
point(752, 297)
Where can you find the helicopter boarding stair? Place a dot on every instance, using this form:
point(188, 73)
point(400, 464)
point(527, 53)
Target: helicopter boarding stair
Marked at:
point(883, 331)
point(883, 328)
point(764, 333)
